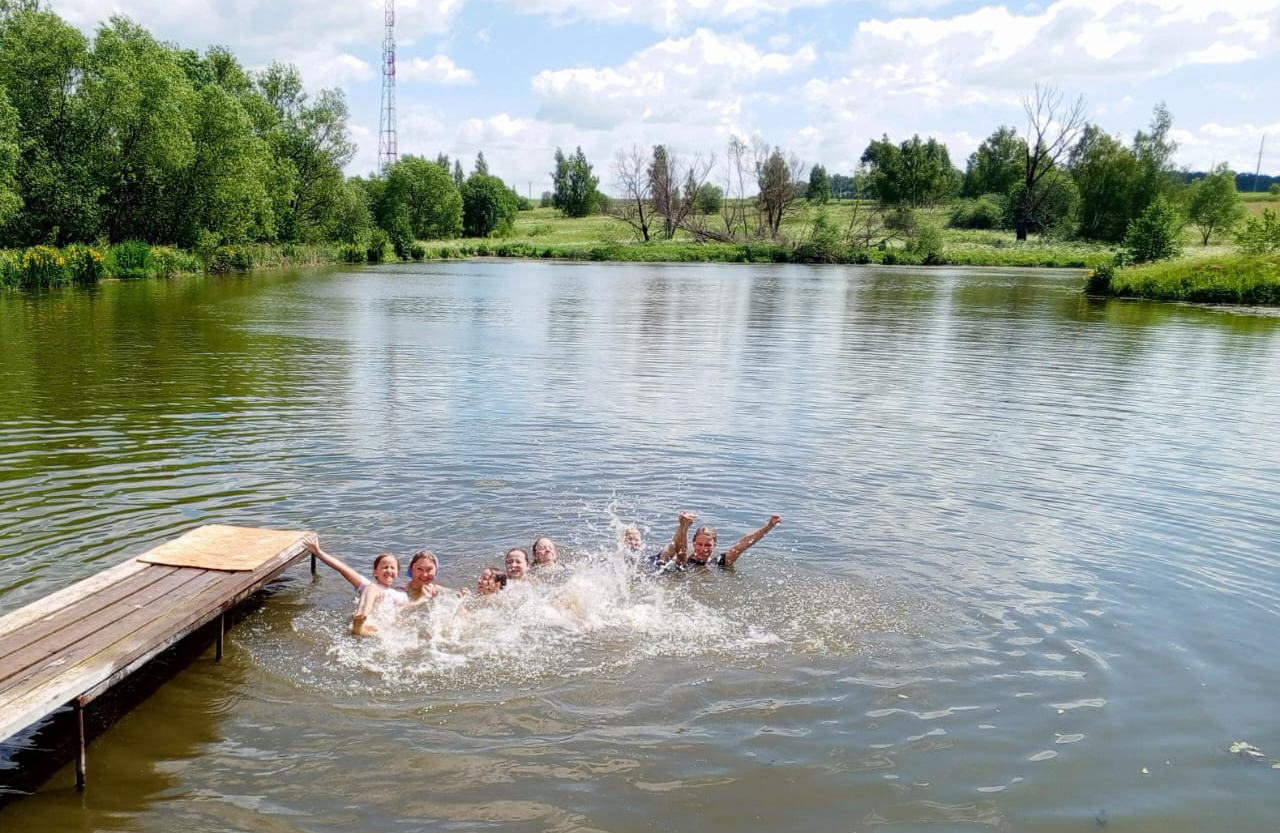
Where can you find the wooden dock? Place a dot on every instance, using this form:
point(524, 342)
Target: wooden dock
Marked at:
point(74, 644)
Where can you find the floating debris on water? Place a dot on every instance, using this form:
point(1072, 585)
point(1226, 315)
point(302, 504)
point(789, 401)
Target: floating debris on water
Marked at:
point(1246, 750)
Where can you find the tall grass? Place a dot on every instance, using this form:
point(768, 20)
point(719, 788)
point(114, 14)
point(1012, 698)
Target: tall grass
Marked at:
point(1236, 279)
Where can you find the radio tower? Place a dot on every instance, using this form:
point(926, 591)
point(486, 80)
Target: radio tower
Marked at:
point(387, 152)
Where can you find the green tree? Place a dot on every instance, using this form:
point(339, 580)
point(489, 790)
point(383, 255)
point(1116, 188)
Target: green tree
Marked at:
point(309, 144)
point(353, 220)
point(481, 167)
point(419, 198)
point(42, 63)
point(1153, 234)
point(221, 190)
point(1213, 204)
point(575, 186)
point(143, 103)
point(709, 199)
point(819, 186)
point(10, 153)
point(1105, 173)
point(914, 173)
point(996, 166)
point(1260, 235)
point(459, 179)
point(1153, 150)
point(488, 206)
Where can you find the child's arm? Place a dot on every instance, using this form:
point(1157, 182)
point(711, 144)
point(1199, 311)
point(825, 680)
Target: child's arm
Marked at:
point(679, 546)
point(349, 574)
point(749, 539)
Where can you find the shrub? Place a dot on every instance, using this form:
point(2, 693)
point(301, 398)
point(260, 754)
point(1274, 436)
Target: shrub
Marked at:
point(401, 240)
point(132, 259)
point(166, 260)
point(417, 251)
point(1099, 280)
point(231, 259)
point(1153, 234)
point(42, 266)
point(1260, 235)
point(985, 212)
point(353, 253)
point(709, 198)
point(10, 268)
point(901, 219)
point(926, 244)
point(84, 263)
point(377, 249)
point(823, 245)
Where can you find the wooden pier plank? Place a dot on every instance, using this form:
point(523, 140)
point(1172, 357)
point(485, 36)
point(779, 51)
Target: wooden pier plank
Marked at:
point(46, 627)
point(92, 646)
point(89, 634)
point(67, 596)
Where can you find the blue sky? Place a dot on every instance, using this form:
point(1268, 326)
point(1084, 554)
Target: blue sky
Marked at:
point(820, 78)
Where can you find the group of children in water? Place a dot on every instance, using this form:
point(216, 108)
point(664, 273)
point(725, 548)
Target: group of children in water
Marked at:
point(423, 567)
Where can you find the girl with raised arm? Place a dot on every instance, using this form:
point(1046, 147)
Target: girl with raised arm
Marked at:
point(372, 593)
point(704, 543)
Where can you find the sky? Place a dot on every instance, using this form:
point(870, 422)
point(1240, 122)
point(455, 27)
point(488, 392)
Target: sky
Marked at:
point(819, 78)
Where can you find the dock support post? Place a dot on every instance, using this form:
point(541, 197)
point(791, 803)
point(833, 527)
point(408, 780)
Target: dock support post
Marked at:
point(222, 629)
point(313, 563)
point(80, 753)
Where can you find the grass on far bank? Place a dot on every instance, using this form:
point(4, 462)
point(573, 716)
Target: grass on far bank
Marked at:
point(1231, 279)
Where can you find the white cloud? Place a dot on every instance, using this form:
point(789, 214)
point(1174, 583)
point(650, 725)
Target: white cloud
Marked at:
point(438, 69)
point(666, 15)
point(1235, 144)
point(260, 31)
point(985, 54)
point(696, 78)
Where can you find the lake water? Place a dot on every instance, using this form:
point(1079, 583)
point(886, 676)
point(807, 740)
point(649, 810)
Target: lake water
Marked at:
point(1027, 577)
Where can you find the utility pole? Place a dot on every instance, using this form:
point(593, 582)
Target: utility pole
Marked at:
point(1258, 170)
point(387, 150)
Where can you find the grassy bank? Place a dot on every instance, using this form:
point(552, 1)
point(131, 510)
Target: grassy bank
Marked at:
point(1230, 279)
point(45, 266)
point(543, 233)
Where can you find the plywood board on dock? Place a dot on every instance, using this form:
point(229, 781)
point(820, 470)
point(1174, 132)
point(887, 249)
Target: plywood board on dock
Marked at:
point(76, 643)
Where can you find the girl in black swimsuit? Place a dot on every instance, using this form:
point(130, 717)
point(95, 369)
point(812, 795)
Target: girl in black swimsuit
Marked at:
point(704, 544)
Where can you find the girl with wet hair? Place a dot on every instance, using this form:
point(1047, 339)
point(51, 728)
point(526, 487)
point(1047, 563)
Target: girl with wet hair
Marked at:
point(517, 561)
point(544, 552)
point(422, 576)
point(372, 592)
point(704, 544)
point(491, 581)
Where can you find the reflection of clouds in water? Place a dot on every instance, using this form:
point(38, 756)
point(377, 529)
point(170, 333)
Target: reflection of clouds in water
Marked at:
point(599, 615)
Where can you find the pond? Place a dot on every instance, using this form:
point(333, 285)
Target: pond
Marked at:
point(1026, 577)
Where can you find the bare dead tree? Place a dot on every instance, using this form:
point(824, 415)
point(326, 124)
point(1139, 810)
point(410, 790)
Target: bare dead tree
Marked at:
point(1052, 130)
point(867, 227)
point(635, 205)
point(733, 210)
point(674, 186)
point(779, 178)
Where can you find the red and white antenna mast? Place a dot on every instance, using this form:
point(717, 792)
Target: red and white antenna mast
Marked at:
point(387, 152)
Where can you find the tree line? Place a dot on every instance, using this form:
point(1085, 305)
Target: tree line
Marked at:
point(1059, 176)
point(122, 137)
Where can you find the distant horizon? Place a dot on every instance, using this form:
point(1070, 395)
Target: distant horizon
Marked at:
point(820, 78)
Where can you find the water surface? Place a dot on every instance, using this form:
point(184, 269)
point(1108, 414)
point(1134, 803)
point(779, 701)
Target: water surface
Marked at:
point(1026, 578)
